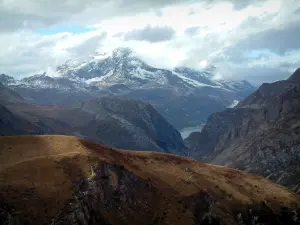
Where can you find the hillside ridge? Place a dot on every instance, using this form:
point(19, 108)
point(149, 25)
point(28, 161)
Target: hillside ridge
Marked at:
point(73, 181)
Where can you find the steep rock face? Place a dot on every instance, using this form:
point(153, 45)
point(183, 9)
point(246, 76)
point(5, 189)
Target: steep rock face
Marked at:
point(115, 191)
point(85, 183)
point(260, 135)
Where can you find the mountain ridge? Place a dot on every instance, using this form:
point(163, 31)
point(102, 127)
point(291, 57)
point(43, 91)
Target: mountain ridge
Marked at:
point(123, 67)
point(259, 135)
point(183, 91)
point(115, 121)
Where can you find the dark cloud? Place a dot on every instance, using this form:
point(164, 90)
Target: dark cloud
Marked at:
point(191, 31)
point(147, 4)
point(241, 4)
point(151, 34)
point(238, 4)
point(12, 21)
point(24, 14)
point(33, 14)
point(280, 40)
point(254, 22)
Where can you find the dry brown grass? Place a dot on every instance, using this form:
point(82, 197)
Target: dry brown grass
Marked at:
point(42, 169)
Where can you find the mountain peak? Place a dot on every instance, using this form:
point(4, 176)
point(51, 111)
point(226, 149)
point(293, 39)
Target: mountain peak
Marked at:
point(123, 66)
point(43, 76)
point(122, 52)
point(6, 80)
point(295, 76)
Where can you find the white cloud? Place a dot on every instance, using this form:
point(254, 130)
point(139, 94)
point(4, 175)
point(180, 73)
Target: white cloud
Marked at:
point(163, 33)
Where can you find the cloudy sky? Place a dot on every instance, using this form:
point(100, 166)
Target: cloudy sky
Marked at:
point(257, 40)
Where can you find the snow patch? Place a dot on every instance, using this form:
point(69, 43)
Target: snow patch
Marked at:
point(191, 81)
point(234, 104)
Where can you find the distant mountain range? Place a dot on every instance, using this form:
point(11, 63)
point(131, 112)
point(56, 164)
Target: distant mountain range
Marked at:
point(192, 94)
point(48, 176)
point(114, 121)
point(260, 135)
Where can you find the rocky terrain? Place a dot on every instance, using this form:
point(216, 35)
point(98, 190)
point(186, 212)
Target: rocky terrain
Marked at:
point(114, 121)
point(193, 94)
point(260, 135)
point(66, 180)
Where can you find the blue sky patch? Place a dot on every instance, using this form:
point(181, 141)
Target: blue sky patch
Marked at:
point(258, 53)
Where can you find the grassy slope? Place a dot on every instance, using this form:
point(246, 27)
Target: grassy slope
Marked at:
point(37, 175)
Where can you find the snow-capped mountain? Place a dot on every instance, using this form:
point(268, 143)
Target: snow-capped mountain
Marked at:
point(120, 67)
point(123, 67)
point(46, 90)
point(60, 83)
point(42, 82)
point(185, 96)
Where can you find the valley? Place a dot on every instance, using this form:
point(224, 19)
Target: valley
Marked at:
point(128, 112)
point(52, 177)
point(260, 135)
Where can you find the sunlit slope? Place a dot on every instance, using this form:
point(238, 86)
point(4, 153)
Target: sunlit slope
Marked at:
point(67, 180)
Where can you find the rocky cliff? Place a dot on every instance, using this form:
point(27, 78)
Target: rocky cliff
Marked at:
point(65, 180)
point(260, 135)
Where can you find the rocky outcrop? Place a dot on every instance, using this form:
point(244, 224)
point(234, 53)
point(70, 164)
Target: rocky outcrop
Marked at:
point(260, 135)
point(6, 218)
point(111, 189)
point(130, 199)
